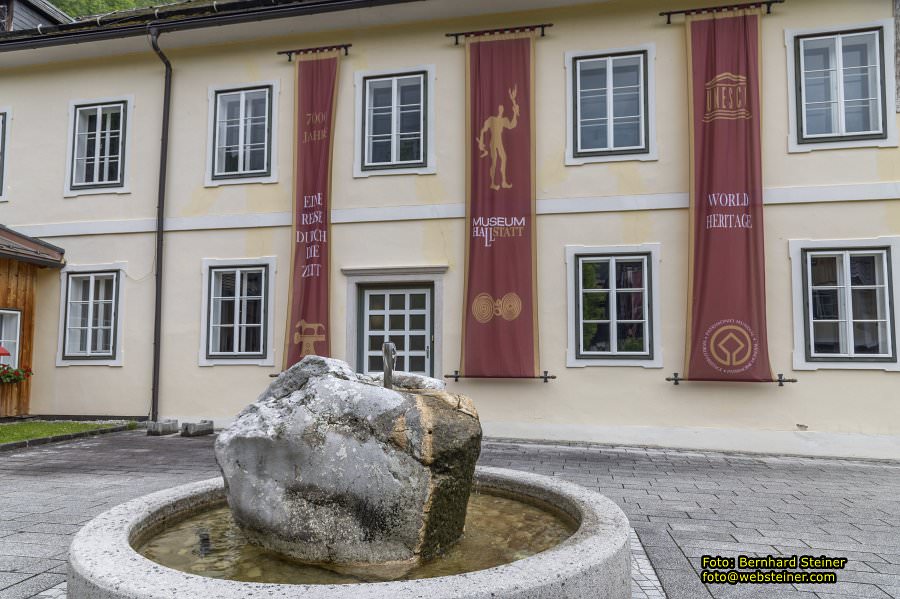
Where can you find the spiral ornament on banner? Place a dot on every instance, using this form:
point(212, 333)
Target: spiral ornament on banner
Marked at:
point(485, 307)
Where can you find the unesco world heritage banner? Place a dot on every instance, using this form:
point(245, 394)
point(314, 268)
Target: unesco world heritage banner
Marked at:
point(726, 330)
point(308, 330)
point(499, 336)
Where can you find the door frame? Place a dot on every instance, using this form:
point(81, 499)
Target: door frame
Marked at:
point(399, 276)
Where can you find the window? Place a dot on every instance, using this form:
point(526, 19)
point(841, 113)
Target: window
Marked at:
point(610, 104)
point(613, 304)
point(91, 315)
point(394, 121)
point(237, 317)
point(242, 133)
point(98, 146)
point(9, 336)
point(841, 86)
point(402, 316)
point(848, 304)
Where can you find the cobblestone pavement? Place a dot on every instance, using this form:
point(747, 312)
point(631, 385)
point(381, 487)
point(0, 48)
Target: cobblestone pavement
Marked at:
point(682, 505)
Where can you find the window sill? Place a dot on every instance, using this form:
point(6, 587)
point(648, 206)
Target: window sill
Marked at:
point(801, 363)
point(116, 362)
point(573, 362)
point(267, 361)
point(649, 156)
point(360, 173)
point(241, 180)
point(802, 148)
point(93, 191)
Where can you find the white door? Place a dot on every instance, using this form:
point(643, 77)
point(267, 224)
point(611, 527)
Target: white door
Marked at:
point(402, 316)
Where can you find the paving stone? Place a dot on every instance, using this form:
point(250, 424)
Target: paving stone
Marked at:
point(34, 585)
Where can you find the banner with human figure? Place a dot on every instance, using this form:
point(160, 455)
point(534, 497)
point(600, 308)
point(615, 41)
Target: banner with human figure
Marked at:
point(726, 330)
point(499, 336)
point(308, 331)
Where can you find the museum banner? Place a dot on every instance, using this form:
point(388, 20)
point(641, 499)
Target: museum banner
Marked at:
point(499, 334)
point(726, 328)
point(308, 329)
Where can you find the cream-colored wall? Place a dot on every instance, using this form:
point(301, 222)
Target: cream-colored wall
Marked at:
point(97, 390)
point(601, 396)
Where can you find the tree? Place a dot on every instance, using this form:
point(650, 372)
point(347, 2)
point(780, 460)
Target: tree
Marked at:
point(80, 8)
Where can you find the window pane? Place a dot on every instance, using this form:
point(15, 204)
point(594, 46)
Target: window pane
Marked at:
point(595, 275)
point(416, 322)
point(380, 123)
point(380, 151)
point(824, 270)
point(417, 342)
point(828, 338)
point(103, 315)
point(223, 311)
point(380, 93)
point(866, 270)
point(630, 306)
point(594, 136)
point(595, 337)
point(825, 304)
point(251, 311)
point(869, 338)
point(867, 304)
point(398, 322)
point(375, 342)
point(376, 322)
point(410, 120)
point(417, 301)
point(376, 363)
point(410, 90)
point(399, 342)
point(76, 341)
point(251, 283)
point(629, 274)
point(417, 364)
point(595, 306)
point(224, 284)
point(78, 315)
point(862, 108)
point(410, 149)
point(376, 302)
point(223, 339)
point(630, 337)
point(861, 116)
point(251, 340)
point(400, 363)
point(627, 133)
point(398, 301)
point(101, 341)
point(103, 288)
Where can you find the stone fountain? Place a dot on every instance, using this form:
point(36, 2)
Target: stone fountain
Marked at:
point(345, 485)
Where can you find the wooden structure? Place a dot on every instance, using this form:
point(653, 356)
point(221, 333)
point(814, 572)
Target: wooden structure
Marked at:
point(20, 258)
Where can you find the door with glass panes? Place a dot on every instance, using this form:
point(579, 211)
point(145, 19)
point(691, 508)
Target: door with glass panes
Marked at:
point(402, 315)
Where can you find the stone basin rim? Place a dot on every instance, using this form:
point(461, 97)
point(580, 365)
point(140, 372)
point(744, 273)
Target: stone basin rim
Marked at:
point(593, 562)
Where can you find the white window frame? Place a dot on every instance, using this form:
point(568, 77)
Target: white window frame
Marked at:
point(268, 357)
point(5, 117)
point(120, 187)
point(890, 139)
point(652, 253)
point(18, 314)
point(359, 143)
point(800, 297)
point(401, 276)
point(614, 154)
point(252, 177)
point(116, 359)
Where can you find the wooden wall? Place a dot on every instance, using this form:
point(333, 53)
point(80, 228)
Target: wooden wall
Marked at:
point(17, 280)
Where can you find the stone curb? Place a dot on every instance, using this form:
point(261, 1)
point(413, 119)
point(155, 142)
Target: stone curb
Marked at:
point(60, 438)
point(594, 563)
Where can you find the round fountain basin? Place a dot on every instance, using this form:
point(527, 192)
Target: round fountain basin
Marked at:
point(577, 548)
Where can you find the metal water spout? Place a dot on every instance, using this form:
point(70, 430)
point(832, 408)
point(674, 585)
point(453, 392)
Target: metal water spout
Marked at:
point(389, 353)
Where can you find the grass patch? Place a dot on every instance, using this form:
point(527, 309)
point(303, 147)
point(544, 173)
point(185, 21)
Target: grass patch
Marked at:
point(36, 429)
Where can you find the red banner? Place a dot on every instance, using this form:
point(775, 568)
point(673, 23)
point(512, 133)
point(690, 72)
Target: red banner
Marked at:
point(500, 337)
point(308, 316)
point(727, 338)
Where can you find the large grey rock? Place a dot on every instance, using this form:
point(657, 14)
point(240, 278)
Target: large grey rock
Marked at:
point(328, 466)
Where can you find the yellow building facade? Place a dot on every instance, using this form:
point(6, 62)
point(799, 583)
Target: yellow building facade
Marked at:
point(403, 229)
